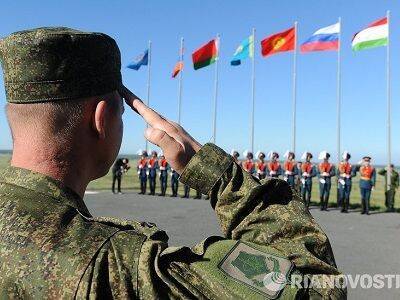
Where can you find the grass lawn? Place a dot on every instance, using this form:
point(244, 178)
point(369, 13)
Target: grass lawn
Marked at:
point(130, 181)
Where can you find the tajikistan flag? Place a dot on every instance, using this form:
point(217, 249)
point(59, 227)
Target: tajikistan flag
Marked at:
point(375, 35)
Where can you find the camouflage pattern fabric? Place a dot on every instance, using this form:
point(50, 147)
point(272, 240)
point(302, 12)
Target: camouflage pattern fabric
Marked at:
point(58, 63)
point(50, 246)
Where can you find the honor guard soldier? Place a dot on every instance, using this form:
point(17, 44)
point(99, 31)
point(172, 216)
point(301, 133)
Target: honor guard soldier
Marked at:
point(174, 183)
point(65, 104)
point(142, 171)
point(307, 173)
point(274, 168)
point(326, 171)
point(290, 168)
point(367, 182)
point(163, 165)
point(394, 185)
point(261, 166)
point(152, 168)
point(298, 177)
point(345, 172)
point(248, 165)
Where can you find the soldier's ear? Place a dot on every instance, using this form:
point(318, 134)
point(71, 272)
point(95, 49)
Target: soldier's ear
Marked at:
point(99, 119)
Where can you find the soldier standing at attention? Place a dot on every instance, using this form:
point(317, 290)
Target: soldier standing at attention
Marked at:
point(142, 171)
point(174, 183)
point(152, 168)
point(367, 182)
point(345, 172)
point(394, 185)
point(248, 165)
point(64, 89)
point(163, 174)
point(307, 173)
point(261, 166)
point(290, 168)
point(326, 171)
point(274, 168)
point(120, 167)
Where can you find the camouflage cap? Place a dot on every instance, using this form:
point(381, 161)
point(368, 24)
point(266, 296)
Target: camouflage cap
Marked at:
point(59, 63)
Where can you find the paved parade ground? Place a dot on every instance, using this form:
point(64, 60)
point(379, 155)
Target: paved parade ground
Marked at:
point(361, 244)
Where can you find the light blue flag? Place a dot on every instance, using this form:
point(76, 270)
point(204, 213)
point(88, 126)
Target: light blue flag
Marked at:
point(141, 60)
point(245, 50)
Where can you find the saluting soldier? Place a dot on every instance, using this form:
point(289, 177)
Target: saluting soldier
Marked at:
point(164, 166)
point(274, 168)
point(52, 247)
point(367, 182)
point(261, 166)
point(152, 168)
point(290, 168)
point(394, 185)
point(248, 165)
point(174, 183)
point(307, 173)
point(326, 171)
point(345, 172)
point(142, 171)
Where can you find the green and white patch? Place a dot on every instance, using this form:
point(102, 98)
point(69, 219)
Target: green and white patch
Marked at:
point(261, 271)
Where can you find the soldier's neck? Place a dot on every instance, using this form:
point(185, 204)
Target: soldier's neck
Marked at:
point(55, 164)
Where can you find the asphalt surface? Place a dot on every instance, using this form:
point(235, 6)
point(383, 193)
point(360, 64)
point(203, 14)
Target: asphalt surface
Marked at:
point(361, 244)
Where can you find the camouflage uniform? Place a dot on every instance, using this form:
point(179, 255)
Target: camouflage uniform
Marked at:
point(51, 247)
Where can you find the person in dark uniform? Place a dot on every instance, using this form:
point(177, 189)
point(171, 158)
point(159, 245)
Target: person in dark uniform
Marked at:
point(290, 169)
point(152, 168)
point(345, 172)
point(367, 182)
point(307, 173)
point(142, 171)
point(298, 177)
point(261, 166)
point(164, 166)
point(174, 183)
point(326, 171)
point(120, 166)
point(394, 185)
point(274, 168)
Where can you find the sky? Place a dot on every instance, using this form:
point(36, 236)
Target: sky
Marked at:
point(133, 23)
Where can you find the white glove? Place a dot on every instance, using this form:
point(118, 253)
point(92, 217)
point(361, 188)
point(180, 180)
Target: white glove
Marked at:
point(322, 180)
point(288, 172)
point(272, 172)
point(305, 174)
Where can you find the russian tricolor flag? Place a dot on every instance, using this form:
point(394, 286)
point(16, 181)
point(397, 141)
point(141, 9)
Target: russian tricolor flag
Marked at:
point(324, 39)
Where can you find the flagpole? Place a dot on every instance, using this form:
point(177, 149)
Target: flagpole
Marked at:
point(216, 92)
point(389, 142)
point(339, 100)
point(180, 84)
point(148, 87)
point(253, 67)
point(294, 89)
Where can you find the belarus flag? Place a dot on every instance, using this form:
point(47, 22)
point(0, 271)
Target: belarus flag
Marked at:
point(324, 39)
point(205, 55)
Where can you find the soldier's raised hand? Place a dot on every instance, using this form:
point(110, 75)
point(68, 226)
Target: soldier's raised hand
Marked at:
point(177, 145)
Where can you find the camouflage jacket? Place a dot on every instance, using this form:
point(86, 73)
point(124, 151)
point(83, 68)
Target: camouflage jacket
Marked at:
point(51, 247)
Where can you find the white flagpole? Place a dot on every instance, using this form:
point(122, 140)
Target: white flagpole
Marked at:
point(180, 85)
point(339, 92)
point(389, 142)
point(148, 87)
point(294, 90)
point(253, 92)
point(216, 91)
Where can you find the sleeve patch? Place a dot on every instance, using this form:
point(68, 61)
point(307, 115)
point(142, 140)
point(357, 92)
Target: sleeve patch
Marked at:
point(263, 272)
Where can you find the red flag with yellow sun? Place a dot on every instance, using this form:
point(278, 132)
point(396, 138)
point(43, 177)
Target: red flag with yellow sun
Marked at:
point(279, 42)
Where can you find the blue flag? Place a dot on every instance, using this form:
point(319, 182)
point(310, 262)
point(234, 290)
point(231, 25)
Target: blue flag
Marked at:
point(141, 60)
point(245, 50)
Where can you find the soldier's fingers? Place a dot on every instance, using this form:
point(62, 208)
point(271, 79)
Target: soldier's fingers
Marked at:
point(129, 97)
point(160, 138)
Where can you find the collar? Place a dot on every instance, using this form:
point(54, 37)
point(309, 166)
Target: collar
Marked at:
point(43, 184)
